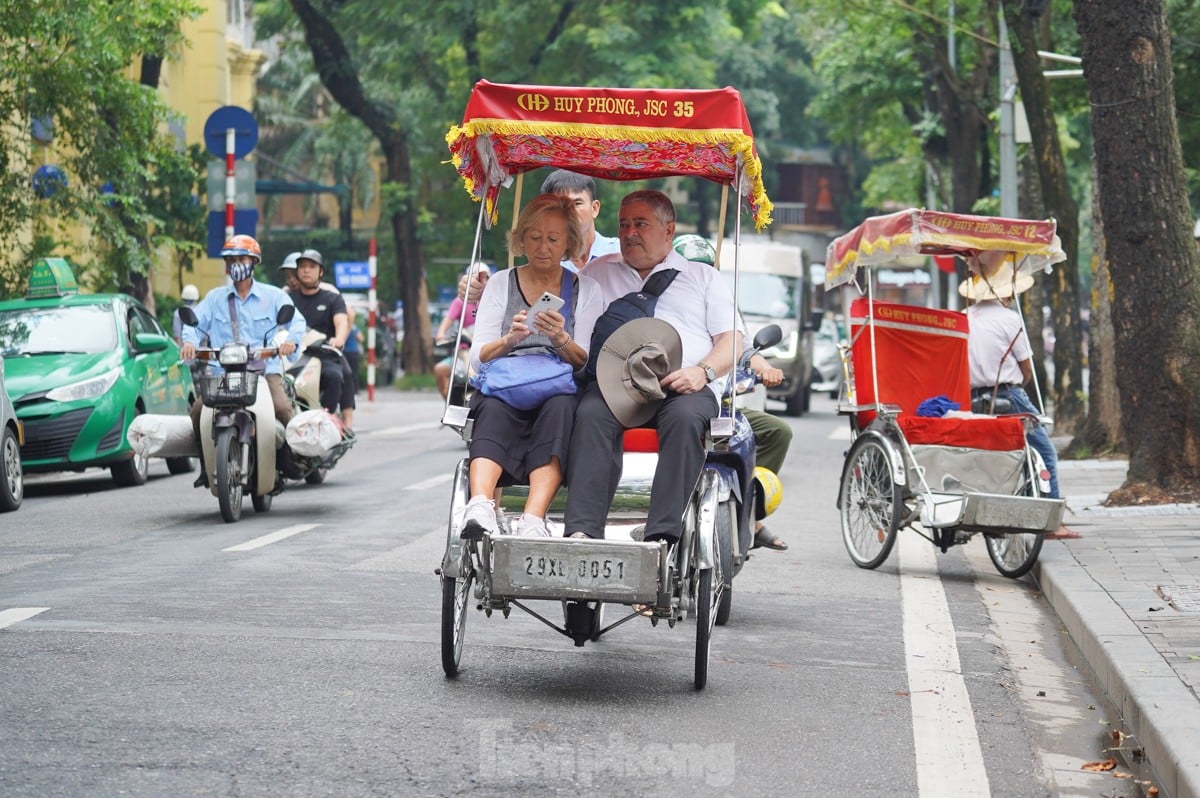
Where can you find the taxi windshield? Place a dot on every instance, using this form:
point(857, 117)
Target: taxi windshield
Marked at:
point(775, 296)
point(39, 331)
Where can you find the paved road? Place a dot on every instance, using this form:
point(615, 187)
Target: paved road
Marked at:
point(149, 649)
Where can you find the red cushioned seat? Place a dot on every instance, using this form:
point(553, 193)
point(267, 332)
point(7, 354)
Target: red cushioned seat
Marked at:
point(641, 439)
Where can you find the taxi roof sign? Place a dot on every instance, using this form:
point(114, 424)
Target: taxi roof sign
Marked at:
point(51, 277)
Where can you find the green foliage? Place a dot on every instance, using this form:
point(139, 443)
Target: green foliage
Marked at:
point(69, 64)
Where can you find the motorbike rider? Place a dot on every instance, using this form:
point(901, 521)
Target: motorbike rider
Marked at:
point(189, 296)
point(324, 310)
point(245, 312)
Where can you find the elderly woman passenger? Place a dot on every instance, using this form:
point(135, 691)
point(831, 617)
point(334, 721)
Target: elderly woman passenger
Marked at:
point(511, 446)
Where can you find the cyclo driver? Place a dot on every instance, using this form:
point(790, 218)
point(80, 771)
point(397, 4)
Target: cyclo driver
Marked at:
point(245, 312)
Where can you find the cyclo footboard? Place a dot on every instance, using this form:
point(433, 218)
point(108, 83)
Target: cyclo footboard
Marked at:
point(980, 490)
point(575, 570)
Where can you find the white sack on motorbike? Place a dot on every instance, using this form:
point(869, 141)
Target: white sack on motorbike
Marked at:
point(153, 435)
point(313, 433)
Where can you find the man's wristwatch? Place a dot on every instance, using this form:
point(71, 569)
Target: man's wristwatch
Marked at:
point(709, 373)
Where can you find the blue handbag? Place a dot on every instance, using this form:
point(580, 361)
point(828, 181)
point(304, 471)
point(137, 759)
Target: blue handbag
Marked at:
point(525, 380)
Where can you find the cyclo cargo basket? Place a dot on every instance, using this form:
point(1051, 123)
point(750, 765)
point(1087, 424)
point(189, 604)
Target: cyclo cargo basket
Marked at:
point(230, 388)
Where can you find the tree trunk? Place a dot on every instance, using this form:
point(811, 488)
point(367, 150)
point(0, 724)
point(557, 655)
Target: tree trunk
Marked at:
point(1144, 207)
point(1101, 431)
point(1062, 286)
point(340, 77)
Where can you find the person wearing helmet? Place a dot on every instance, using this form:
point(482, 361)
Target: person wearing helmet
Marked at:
point(772, 435)
point(245, 311)
point(325, 311)
point(189, 296)
point(288, 267)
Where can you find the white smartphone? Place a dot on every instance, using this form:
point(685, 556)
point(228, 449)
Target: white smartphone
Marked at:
point(547, 301)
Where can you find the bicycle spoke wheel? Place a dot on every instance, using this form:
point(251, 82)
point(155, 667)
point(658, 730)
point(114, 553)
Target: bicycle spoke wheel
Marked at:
point(872, 503)
point(1015, 553)
point(456, 596)
point(704, 625)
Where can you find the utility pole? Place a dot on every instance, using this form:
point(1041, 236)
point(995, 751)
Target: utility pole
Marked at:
point(1008, 143)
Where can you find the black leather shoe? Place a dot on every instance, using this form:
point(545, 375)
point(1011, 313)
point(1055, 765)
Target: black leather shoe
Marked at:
point(202, 480)
point(288, 465)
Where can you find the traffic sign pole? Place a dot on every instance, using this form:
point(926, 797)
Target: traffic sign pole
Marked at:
point(230, 179)
point(371, 303)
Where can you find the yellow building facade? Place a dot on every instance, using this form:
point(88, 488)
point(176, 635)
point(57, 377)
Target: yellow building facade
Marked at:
point(219, 66)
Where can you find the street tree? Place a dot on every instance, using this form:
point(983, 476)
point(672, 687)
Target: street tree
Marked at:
point(405, 73)
point(78, 88)
point(1126, 49)
point(1057, 201)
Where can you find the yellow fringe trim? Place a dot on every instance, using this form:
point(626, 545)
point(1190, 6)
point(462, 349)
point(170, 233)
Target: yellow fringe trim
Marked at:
point(738, 142)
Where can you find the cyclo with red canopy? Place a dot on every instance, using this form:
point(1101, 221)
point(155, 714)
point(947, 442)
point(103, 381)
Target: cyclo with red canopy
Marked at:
point(610, 134)
point(949, 477)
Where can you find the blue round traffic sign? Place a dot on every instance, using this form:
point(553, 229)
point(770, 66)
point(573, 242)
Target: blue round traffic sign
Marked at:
point(240, 121)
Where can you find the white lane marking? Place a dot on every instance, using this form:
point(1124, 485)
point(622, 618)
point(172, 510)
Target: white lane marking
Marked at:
point(274, 537)
point(948, 754)
point(17, 614)
point(404, 430)
point(839, 433)
point(430, 483)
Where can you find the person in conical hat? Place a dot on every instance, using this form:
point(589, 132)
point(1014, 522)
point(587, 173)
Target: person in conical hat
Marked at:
point(1001, 359)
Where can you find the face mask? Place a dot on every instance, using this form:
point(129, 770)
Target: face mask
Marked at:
point(240, 271)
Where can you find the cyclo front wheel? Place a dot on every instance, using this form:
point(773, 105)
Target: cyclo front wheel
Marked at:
point(456, 594)
point(872, 503)
point(229, 474)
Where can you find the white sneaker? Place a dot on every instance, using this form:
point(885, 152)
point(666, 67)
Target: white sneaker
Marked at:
point(479, 517)
point(530, 526)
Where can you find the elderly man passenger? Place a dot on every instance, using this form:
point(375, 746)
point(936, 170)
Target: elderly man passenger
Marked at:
point(699, 305)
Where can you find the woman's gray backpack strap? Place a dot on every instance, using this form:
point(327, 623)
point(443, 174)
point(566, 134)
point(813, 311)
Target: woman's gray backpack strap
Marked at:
point(634, 305)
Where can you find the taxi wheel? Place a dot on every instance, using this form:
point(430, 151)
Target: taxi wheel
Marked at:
point(12, 484)
point(132, 472)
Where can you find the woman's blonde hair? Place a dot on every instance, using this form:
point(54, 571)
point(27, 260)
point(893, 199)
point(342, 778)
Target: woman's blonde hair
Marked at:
point(538, 207)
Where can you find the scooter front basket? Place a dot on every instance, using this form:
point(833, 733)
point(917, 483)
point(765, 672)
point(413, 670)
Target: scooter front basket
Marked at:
point(229, 388)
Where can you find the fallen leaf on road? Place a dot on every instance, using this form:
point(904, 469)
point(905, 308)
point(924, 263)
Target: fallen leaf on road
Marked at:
point(1100, 767)
point(1121, 775)
point(1153, 791)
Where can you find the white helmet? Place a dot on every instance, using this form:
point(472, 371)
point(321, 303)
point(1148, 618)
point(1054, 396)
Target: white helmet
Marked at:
point(190, 293)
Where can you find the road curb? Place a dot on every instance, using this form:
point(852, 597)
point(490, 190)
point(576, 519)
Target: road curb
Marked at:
point(1157, 707)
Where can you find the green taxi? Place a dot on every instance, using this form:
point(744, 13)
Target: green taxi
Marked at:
point(79, 368)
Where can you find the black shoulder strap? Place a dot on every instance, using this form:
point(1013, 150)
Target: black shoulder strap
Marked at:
point(658, 282)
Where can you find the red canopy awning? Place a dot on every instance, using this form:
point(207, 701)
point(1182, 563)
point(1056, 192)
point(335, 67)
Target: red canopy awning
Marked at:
point(611, 134)
point(883, 239)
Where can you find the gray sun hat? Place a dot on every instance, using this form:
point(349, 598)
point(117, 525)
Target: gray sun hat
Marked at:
point(629, 366)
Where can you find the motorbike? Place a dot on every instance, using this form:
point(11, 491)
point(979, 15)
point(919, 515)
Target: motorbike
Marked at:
point(458, 378)
point(302, 381)
point(732, 461)
point(239, 434)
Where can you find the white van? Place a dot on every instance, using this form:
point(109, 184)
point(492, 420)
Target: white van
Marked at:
point(775, 288)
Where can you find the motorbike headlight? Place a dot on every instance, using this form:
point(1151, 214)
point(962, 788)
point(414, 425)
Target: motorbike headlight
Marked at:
point(87, 389)
point(233, 355)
